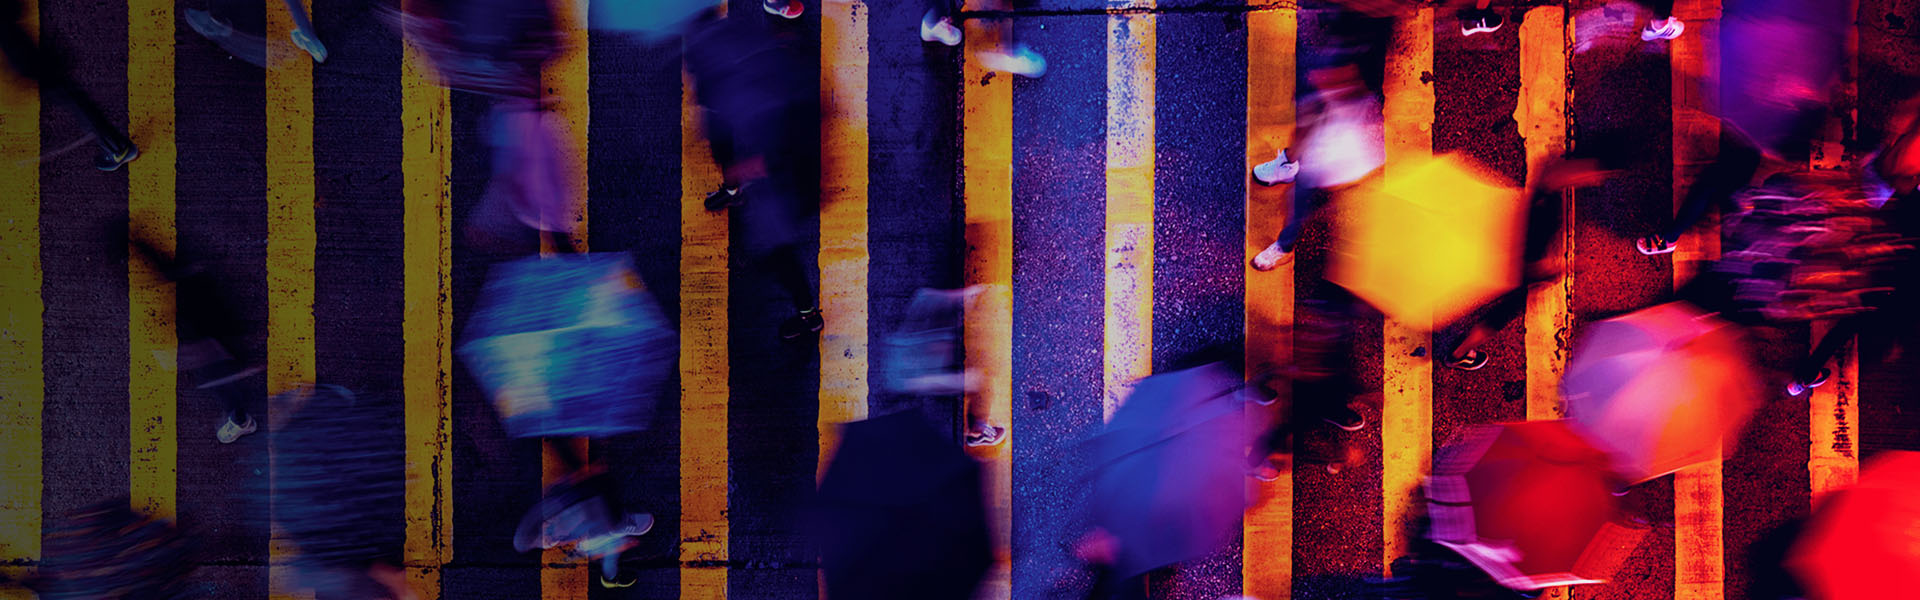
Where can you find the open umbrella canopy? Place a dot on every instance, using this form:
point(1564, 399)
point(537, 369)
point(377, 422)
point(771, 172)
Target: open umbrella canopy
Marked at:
point(1530, 504)
point(107, 550)
point(1864, 540)
point(1660, 388)
point(1167, 479)
point(570, 345)
point(337, 475)
point(1432, 243)
point(902, 514)
point(647, 18)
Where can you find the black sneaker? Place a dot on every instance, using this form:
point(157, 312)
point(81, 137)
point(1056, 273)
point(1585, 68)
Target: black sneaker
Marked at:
point(1345, 418)
point(985, 436)
point(113, 159)
point(1480, 21)
point(722, 198)
point(802, 323)
point(1473, 360)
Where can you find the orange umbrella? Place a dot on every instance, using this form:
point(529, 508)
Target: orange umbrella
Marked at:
point(1529, 503)
point(1660, 388)
point(1438, 239)
point(1864, 540)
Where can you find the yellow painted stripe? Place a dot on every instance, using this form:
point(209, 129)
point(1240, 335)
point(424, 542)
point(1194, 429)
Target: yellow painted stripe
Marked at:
point(1406, 409)
point(427, 321)
point(562, 576)
point(1833, 422)
point(1698, 550)
point(704, 369)
point(1542, 116)
point(1833, 409)
point(291, 240)
point(1129, 231)
point(1266, 556)
point(152, 374)
point(986, 165)
point(564, 78)
point(843, 219)
point(22, 383)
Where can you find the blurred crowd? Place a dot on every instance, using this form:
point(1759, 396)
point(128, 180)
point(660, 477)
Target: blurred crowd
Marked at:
point(570, 344)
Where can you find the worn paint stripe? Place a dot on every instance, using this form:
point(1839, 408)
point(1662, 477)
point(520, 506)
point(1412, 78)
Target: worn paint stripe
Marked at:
point(1131, 63)
point(1406, 410)
point(704, 367)
point(1266, 556)
point(1698, 546)
point(1542, 116)
point(22, 382)
point(1833, 409)
point(427, 321)
point(987, 173)
point(153, 377)
point(564, 79)
point(843, 219)
point(291, 240)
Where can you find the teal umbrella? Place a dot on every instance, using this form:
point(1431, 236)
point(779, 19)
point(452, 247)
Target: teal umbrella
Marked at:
point(646, 18)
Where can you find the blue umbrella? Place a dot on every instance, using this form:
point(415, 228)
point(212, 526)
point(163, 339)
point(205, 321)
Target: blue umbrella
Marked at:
point(901, 514)
point(1168, 480)
point(570, 346)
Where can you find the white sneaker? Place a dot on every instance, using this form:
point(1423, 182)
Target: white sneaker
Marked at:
point(231, 431)
point(1272, 257)
point(939, 30)
point(309, 44)
point(1662, 29)
point(1277, 171)
point(1023, 61)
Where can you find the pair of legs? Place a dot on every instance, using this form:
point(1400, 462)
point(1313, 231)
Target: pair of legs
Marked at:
point(216, 24)
point(1544, 222)
point(35, 63)
point(210, 340)
point(746, 143)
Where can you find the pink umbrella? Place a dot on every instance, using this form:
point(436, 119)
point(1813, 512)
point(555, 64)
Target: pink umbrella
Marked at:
point(1660, 388)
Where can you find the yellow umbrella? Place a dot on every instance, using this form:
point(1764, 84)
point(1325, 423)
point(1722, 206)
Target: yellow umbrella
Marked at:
point(1438, 239)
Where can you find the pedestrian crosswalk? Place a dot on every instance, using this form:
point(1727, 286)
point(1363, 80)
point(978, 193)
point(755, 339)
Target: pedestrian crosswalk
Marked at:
point(1106, 204)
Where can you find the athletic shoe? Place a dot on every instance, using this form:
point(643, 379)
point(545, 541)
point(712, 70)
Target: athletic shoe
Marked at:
point(1473, 360)
point(722, 198)
point(1271, 258)
point(939, 30)
point(1277, 171)
point(230, 431)
point(1797, 387)
point(1265, 471)
point(112, 160)
point(1480, 21)
point(785, 9)
point(1652, 245)
point(1023, 61)
point(985, 436)
point(309, 44)
point(1662, 29)
point(802, 323)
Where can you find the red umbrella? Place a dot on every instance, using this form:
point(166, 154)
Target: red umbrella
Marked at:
point(1660, 389)
point(1864, 540)
point(1530, 504)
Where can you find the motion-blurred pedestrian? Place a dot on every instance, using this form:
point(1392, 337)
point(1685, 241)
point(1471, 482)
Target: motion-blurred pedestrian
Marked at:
point(36, 62)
